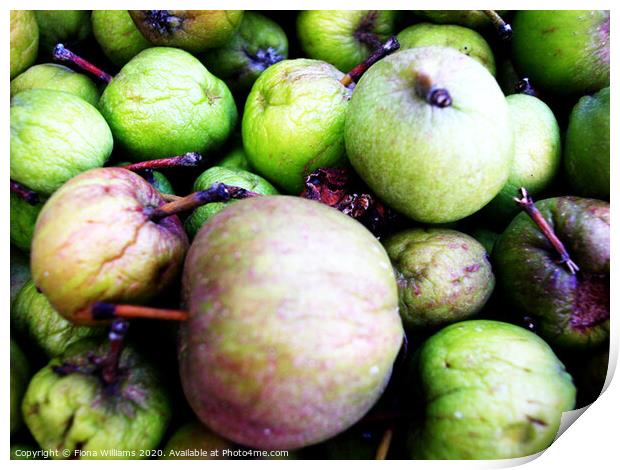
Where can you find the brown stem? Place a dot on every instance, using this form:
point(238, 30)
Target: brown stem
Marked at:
point(429, 92)
point(110, 363)
point(62, 53)
point(527, 204)
point(356, 72)
point(219, 192)
point(503, 29)
point(28, 195)
point(384, 445)
point(101, 311)
point(189, 159)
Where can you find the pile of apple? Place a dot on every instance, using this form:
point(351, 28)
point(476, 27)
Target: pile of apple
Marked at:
point(346, 234)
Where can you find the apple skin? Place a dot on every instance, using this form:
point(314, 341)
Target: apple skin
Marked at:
point(24, 40)
point(75, 410)
point(56, 77)
point(562, 51)
point(491, 390)
point(55, 136)
point(572, 310)
point(432, 164)
point(192, 438)
point(93, 242)
point(20, 373)
point(293, 326)
point(192, 30)
point(443, 276)
point(586, 152)
point(20, 271)
point(465, 40)
point(537, 156)
point(117, 35)
point(475, 19)
point(23, 218)
point(331, 35)
point(293, 121)
point(62, 26)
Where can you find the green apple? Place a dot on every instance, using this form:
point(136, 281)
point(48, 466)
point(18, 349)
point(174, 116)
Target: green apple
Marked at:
point(491, 390)
point(572, 310)
point(236, 158)
point(293, 322)
point(20, 373)
point(193, 441)
point(344, 38)
point(192, 30)
point(563, 51)
point(428, 129)
point(231, 176)
point(586, 153)
point(69, 407)
point(55, 135)
point(475, 19)
point(293, 121)
point(62, 26)
point(98, 225)
point(24, 40)
point(258, 43)
point(165, 102)
point(33, 317)
point(487, 238)
point(464, 40)
point(56, 77)
point(117, 35)
point(537, 154)
point(443, 275)
point(23, 218)
point(20, 271)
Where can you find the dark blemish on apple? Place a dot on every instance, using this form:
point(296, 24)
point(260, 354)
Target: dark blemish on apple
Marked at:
point(591, 302)
point(536, 421)
point(549, 30)
point(465, 247)
point(473, 268)
point(163, 22)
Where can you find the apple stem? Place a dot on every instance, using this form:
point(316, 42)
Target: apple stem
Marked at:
point(219, 192)
point(170, 197)
point(63, 54)
point(524, 86)
point(189, 159)
point(384, 445)
point(110, 363)
point(28, 195)
point(527, 204)
point(503, 29)
point(356, 72)
point(102, 311)
point(426, 89)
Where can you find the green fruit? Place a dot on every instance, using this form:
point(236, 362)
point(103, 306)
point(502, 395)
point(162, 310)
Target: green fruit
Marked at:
point(192, 30)
point(537, 154)
point(475, 19)
point(487, 238)
point(586, 153)
point(572, 310)
point(344, 38)
point(56, 77)
point(24, 40)
point(293, 121)
point(117, 35)
point(20, 271)
point(293, 325)
point(465, 40)
point(34, 317)
point(443, 276)
point(54, 136)
point(62, 26)
point(69, 407)
point(428, 129)
point(231, 176)
point(98, 224)
point(165, 102)
point(258, 43)
point(23, 218)
point(20, 373)
point(235, 159)
point(563, 51)
point(195, 442)
point(491, 391)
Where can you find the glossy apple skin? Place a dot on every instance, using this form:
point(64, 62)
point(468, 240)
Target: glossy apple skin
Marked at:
point(572, 310)
point(293, 326)
point(93, 241)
